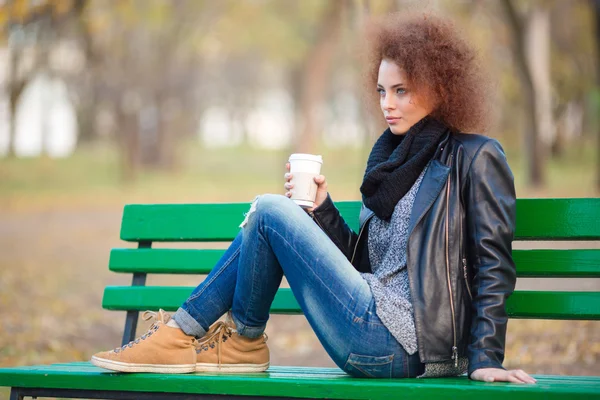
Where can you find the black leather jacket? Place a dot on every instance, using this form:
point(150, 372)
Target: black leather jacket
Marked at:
point(459, 254)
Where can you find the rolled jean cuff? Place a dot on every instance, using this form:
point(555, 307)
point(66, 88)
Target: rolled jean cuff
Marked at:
point(248, 331)
point(188, 324)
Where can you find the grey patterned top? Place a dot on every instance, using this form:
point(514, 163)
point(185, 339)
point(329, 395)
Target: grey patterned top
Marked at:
point(387, 241)
point(389, 283)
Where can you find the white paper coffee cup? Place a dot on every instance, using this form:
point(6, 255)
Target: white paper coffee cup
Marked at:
point(304, 168)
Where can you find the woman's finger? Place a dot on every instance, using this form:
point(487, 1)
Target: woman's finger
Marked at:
point(287, 176)
point(287, 166)
point(519, 375)
point(288, 185)
point(288, 194)
point(524, 376)
point(321, 182)
point(512, 377)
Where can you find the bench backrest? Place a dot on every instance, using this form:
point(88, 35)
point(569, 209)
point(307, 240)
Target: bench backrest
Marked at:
point(537, 220)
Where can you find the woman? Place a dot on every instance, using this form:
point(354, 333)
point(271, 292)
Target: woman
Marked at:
point(420, 290)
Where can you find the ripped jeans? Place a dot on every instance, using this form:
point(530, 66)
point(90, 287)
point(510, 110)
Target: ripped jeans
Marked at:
point(280, 238)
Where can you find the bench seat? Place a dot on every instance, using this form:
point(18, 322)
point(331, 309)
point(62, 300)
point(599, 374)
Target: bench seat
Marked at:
point(282, 382)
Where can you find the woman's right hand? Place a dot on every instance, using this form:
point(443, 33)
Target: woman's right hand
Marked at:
point(321, 187)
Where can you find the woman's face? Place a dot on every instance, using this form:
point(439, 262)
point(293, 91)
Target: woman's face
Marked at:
point(400, 104)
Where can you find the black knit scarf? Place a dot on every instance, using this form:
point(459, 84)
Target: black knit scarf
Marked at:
point(395, 163)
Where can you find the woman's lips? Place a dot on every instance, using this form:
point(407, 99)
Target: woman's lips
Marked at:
point(392, 120)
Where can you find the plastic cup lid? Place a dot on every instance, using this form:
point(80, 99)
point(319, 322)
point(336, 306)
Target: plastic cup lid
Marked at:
point(308, 157)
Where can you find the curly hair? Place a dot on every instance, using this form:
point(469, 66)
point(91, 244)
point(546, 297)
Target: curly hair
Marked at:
point(439, 64)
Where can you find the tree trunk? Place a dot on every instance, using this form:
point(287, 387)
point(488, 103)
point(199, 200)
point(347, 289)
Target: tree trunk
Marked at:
point(537, 40)
point(167, 129)
point(87, 105)
point(129, 144)
point(86, 116)
point(314, 77)
point(371, 117)
point(15, 88)
point(534, 150)
point(596, 9)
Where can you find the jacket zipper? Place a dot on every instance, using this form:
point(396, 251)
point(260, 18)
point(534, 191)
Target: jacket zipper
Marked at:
point(464, 261)
point(454, 347)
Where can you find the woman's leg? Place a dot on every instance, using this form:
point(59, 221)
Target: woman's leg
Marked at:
point(214, 296)
point(280, 238)
point(249, 291)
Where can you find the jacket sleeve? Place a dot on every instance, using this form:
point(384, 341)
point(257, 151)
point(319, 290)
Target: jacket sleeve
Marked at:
point(490, 211)
point(328, 217)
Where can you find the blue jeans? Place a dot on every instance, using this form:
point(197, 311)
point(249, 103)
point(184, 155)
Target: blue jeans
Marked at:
point(280, 238)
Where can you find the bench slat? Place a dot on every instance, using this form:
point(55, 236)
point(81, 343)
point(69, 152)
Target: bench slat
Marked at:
point(530, 263)
point(171, 297)
point(307, 382)
point(522, 304)
point(164, 261)
point(554, 305)
point(207, 222)
point(537, 219)
point(558, 263)
point(182, 222)
point(558, 219)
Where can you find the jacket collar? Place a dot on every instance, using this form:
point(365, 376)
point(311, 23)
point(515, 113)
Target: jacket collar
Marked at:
point(431, 186)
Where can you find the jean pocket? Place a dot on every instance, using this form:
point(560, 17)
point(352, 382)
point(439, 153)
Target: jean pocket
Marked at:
point(361, 366)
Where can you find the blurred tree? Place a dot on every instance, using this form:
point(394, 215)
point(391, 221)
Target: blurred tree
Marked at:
point(302, 38)
point(314, 75)
point(596, 10)
point(572, 64)
point(146, 67)
point(31, 28)
point(534, 147)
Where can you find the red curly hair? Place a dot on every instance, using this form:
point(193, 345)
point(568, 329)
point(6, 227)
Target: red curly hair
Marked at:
point(439, 64)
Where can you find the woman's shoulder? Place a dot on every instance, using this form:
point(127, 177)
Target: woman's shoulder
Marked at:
point(473, 143)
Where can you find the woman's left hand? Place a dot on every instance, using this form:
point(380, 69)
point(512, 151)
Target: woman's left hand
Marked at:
point(502, 375)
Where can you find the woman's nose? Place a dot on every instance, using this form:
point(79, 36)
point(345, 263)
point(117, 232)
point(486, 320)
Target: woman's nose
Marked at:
point(387, 103)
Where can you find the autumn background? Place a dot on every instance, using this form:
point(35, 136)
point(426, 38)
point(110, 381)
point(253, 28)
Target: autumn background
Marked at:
point(110, 102)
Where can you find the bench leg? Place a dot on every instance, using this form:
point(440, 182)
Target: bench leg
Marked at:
point(15, 394)
point(139, 279)
point(130, 327)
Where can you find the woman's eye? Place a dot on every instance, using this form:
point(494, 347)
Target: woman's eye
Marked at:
point(400, 90)
point(381, 92)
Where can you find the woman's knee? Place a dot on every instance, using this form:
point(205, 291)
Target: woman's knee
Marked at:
point(270, 201)
point(274, 205)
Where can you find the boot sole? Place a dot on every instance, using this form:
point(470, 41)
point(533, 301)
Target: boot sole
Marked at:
point(231, 368)
point(131, 367)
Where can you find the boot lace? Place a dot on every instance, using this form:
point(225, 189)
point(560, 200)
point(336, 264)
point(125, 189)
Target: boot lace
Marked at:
point(218, 333)
point(159, 317)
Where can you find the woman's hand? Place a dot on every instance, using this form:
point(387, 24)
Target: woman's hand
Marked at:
point(501, 375)
point(321, 187)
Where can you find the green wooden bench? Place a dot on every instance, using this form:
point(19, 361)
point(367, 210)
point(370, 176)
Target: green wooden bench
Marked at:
point(537, 219)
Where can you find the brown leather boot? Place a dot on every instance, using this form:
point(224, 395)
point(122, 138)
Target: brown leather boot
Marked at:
point(163, 349)
point(222, 349)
